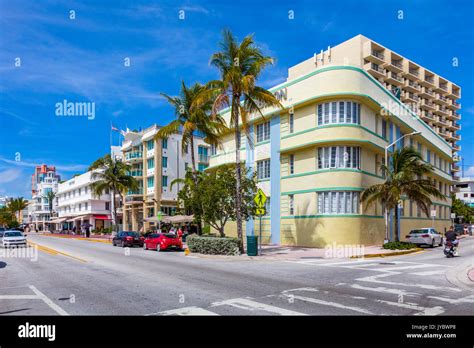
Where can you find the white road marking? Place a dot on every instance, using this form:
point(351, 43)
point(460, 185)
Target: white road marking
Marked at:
point(247, 304)
point(428, 273)
point(386, 290)
point(325, 303)
point(186, 311)
point(374, 279)
point(19, 297)
point(391, 269)
point(421, 310)
point(467, 299)
point(48, 301)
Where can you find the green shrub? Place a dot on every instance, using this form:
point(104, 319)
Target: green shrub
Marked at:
point(213, 245)
point(399, 246)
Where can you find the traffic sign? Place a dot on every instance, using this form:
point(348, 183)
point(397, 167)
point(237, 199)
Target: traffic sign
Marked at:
point(260, 211)
point(260, 198)
point(433, 213)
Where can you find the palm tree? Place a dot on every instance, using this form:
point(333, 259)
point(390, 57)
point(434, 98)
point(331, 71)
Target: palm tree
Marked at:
point(50, 195)
point(240, 65)
point(16, 206)
point(112, 175)
point(404, 179)
point(192, 117)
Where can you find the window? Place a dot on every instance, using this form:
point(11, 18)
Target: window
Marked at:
point(186, 165)
point(80, 206)
point(186, 149)
point(339, 157)
point(164, 181)
point(150, 163)
point(338, 112)
point(263, 131)
point(150, 145)
point(202, 166)
point(384, 129)
point(338, 202)
point(150, 182)
point(87, 205)
point(213, 150)
point(292, 164)
point(107, 205)
point(428, 156)
point(164, 162)
point(164, 143)
point(263, 169)
point(291, 204)
point(291, 123)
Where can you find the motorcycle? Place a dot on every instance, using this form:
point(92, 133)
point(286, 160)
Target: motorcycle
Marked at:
point(450, 248)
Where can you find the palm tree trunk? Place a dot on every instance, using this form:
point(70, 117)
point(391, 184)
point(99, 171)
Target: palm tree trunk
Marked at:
point(114, 216)
point(395, 232)
point(238, 171)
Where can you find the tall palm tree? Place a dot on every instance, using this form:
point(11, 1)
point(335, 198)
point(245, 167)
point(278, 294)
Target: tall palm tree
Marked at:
point(240, 65)
point(112, 175)
point(50, 195)
point(192, 117)
point(16, 206)
point(404, 178)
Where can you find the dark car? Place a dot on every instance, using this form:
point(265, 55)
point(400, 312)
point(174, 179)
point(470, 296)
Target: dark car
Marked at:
point(125, 238)
point(459, 229)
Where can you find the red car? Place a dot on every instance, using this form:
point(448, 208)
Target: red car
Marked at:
point(162, 241)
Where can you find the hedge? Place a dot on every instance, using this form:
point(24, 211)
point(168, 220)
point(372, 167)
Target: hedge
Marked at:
point(213, 245)
point(399, 246)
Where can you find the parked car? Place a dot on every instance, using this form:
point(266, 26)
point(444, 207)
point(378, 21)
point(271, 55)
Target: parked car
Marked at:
point(426, 236)
point(12, 238)
point(126, 238)
point(163, 241)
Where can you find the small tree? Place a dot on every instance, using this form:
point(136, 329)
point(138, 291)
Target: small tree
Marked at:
point(461, 209)
point(189, 196)
point(217, 194)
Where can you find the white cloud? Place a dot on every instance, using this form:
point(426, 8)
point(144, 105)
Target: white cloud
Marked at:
point(32, 164)
point(9, 175)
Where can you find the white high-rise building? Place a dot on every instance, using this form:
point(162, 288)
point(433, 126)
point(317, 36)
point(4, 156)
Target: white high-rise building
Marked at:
point(44, 180)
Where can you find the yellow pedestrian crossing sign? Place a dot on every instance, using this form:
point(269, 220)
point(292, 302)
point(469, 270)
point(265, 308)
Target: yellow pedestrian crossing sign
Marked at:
point(260, 211)
point(260, 199)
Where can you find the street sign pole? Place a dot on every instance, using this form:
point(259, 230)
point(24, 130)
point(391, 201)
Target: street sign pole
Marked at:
point(260, 199)
point(260, 246)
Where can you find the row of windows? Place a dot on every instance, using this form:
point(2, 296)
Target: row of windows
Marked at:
point(339, 157)
point(338, 112)
point(338, 202)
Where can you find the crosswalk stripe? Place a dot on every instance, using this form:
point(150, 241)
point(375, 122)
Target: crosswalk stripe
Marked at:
point(467, 299)
point(421, 310)
point(385, 290)
point(389, 269)
point(427, 273)
point(247, 304)
point(327, 303)
point(374, 279)
point(186, 311)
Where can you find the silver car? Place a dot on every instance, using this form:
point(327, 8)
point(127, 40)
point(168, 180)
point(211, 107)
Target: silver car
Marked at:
point(427, 236)
point(13, 238)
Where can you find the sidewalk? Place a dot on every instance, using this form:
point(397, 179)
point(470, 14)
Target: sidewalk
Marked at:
point(93, 238)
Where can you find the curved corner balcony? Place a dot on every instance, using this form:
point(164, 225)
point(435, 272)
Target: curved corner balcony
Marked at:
point(134, 156)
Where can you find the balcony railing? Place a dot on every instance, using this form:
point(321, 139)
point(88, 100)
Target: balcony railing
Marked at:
point(375, 67)
point(443, 87)
point(427, 115)
point(429, 80)
point(395, 76)
point(427, 91)
point(414, 72)
point(377, 54)
point(133, 155)
point(397, 63)
point(136, 192)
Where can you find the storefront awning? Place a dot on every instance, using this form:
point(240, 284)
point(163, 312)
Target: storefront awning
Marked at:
point(76, 218)
point(102, 217)
point(57, 221)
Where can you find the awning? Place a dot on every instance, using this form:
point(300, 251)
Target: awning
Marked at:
point(180, 219)
point(57, 221)
point(76, 218)
point(102, 217)
point(165, 218)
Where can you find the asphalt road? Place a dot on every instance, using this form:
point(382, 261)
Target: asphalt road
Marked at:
point(74, 277)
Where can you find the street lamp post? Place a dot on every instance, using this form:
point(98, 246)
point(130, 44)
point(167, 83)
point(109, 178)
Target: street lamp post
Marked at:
point(386, 170)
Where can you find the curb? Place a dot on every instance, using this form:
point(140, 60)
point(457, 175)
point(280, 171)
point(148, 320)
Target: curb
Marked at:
point(81, 238)
point(396, 253)
point(463, 276)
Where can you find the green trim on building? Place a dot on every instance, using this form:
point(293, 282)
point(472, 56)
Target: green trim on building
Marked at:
point(262, 143)
point(331, 126)
point(322, 189)
point(319, 171)
point(331, 216)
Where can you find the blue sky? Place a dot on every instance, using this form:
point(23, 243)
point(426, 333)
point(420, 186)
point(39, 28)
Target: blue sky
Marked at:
point(82, 59)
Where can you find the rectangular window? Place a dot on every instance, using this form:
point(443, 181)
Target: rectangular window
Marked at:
point(419, 148)
point(150, 163)
point(150, 145)
point(164, 181)
point(291, 123)
point(338, 202)
point(384, 129)
point(338, 157)
point(326, 113)
point(349, 112)
point(263, 131)
point(263, 169)
point(150, 182)
point(87, 205)
point(333, 112)
point(291, 204)
point(164, 162)
point(107, 206)
point(320, 114)
point(164, 143)
point(202, 166)
point(342, 111)
point(292, 164)
point(428, 156)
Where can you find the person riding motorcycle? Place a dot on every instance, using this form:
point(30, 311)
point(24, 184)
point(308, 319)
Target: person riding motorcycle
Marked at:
point(452, 237)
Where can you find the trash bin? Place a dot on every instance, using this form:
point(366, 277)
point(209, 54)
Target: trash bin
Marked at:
point(252, 245)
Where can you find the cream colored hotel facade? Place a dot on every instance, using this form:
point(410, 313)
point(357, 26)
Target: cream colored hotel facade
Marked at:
point(315, 157)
